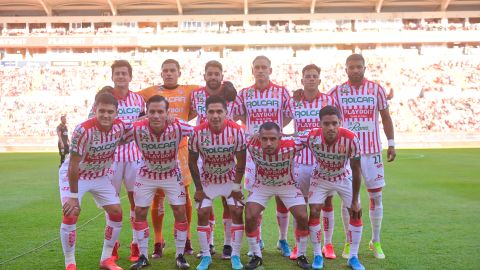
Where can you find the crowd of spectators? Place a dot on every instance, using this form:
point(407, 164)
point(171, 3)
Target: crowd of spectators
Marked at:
point(431, 93)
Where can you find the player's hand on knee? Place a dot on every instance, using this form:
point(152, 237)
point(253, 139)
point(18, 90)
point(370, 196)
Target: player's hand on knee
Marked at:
point(199, 197)
point(237, 198)
point(71, 207)
point(355, 211)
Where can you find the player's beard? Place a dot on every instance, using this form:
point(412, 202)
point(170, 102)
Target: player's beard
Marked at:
point(213, 85)
point(355, 79)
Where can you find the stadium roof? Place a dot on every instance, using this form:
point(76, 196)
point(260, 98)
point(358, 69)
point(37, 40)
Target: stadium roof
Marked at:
point(198, 7)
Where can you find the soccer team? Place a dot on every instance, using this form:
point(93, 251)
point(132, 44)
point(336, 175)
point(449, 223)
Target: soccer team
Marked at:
point(336, 142)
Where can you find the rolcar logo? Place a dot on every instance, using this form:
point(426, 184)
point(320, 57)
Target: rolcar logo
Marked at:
point(102, 147)
point(355, 100)
point(263, 102)
point(218, 150)
point(306, 113)
point(153, 146)
point(128, 111)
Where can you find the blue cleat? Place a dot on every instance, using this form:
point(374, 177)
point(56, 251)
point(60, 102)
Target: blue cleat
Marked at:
point(282, 245)
point(355, 264)
point(236, 263)
point(317, 262)
point(204, 263)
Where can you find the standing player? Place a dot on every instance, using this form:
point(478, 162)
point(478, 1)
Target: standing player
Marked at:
point(334, 149)
point(221, 144)
point(158, 142)
point(91, 155)
point(274, 158)
point(213, 77)
point(361, 101)
point(178, 97)
point(63, 141)
point(305, 112)
point(127, 157)
point(265, 102)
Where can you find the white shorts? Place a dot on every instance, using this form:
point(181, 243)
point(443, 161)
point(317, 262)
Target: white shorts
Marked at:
point(216, 190)
point(145, 190)
point(126, 172)
point(290, 195)
point(249, 173)
point(101, 189)
point(321, 189)
point(302, 174)
point(372, 170)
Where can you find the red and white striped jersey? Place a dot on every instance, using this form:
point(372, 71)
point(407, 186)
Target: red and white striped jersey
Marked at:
point(198, 99)
point(262, 105)
point(218, 150)
point(96, 147)
point(129, 109)
point(360, 110)
point(275, 169)
point(332, 160)
point(305, 115)
point(159, 152)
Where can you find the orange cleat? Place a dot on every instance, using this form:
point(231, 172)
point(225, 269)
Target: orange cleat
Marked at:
point(109, 264)
point(134, 252)
point(71, 266)
point(328, 252)
point(115, 255)
point(293, 256)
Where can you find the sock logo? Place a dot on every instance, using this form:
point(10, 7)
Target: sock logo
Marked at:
point(108, 232)
point(72, 236)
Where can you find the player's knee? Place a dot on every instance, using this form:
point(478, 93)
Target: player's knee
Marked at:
point(70, 220)
point(328, 202)
point(114, 212)
point(179, 213)
point(141, 213)
point(315, 211)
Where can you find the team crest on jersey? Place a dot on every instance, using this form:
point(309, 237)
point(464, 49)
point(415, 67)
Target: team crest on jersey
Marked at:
point(342, 149)
point(96, 136)
point(345, 89)
point(144, 135)
point(206, 142)
point(250, 92)
point(230, 139)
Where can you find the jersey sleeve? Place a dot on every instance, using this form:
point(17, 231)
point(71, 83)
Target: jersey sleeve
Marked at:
point(185, 128)
point(286, 102)
point(238, 106)
point(382, 103)
point(355, 148)
point(241, 144)
point(78, 144)
point(129, 134)
point(193, 142)
point(299, 145)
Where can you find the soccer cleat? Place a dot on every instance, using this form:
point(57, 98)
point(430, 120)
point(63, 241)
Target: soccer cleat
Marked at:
point(71, 266)
point(317, 262)
point(282, 245)
point(204, 263)
point(140, 263)
point(188, 247)
point(236, 263)
point(293, 256)
point(158, 250)
point(377, 250)
point(355, 264)
point(181, 262)
point(227, 252)
point(303, 262)
point(328, 251)
point(254, 263)
point(109, 264)
point(346, 251)
point(134, 252)
point(115, 255)
point(212, 252)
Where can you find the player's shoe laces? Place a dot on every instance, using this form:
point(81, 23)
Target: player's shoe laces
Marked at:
point(115, 255)
point(303, 262)
point(293, 256)
point(140, 263)
point(377, 250)
point(355, 264)
point(181, 262)
point(204, 263)
point(317, 262)
point(328, 251)
point(236, 263)
point(254, 263)
point(134, 252)
point(71, 266)
point(282, 245)
point(346, 251)
point(188, 247)
point(212, 252)
point(227, 252)
point(109, 264)
point(158, 250)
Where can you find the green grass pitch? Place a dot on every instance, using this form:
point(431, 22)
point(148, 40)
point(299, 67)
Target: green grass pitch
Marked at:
point(431, 221)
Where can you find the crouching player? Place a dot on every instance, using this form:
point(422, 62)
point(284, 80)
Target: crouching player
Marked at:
point(158, 141)
point(336, 149)
point(221, 144)
point(92, 149)
point(274, 159)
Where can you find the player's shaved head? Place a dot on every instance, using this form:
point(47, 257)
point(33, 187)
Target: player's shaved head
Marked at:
point(263, 57)
point(158, 98)
point(122, 63)
point(107, 99)
point(355, 57)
